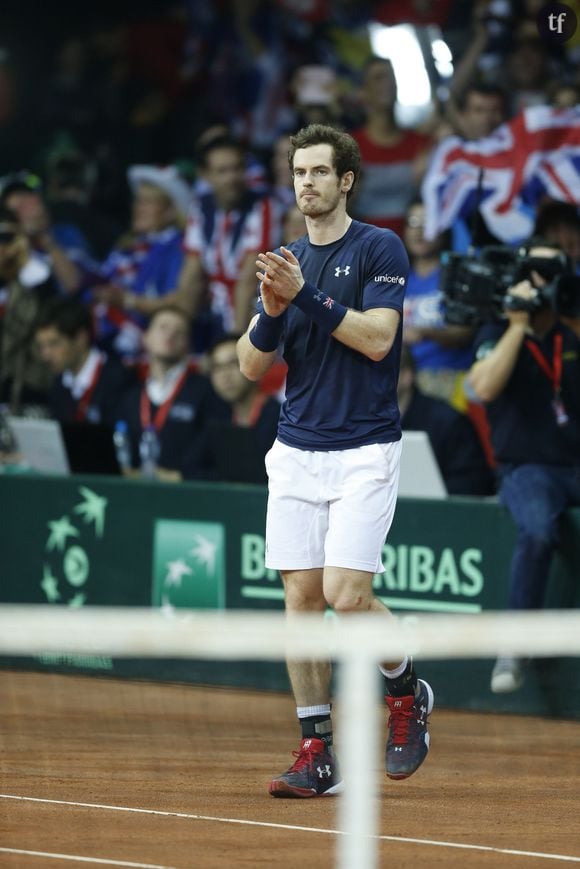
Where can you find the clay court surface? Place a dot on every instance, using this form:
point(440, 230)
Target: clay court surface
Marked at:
point(99, 772)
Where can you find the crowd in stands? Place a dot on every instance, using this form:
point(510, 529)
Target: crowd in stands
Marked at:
point(132, 209)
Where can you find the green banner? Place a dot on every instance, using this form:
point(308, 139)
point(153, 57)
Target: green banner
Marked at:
point(75, 542)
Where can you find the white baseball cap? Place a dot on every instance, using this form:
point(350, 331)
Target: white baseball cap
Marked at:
point(167, 179)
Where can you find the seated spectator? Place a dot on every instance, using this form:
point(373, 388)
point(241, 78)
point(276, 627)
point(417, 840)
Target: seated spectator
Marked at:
point(174, 400)
point(62, 245)
point(393, 159)
point(457, 448)
point(251, 408)
point(88, 384)
point(227, 227)
point(441, 352)
point(143, 270)
point(26, 282)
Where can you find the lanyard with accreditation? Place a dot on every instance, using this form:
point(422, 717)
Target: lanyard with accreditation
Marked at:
point(554, 374)
point(160, 418)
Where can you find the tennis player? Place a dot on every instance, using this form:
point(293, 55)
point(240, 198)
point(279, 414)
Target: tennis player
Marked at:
point(334, 300)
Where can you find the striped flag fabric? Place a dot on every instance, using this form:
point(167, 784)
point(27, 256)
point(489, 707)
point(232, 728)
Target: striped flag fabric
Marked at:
point(505, 175)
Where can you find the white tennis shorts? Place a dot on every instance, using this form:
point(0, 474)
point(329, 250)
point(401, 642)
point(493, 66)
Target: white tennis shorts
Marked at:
point(330, 508)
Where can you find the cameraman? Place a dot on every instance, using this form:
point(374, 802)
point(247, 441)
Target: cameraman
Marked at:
point(527, 372)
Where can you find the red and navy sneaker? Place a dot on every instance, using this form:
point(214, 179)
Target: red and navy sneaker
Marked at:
point(314, 773)
point(408, 741)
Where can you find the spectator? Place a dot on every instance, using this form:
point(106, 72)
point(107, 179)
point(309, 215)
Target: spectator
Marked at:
point(315, 92)
point(174, 399)
point(456, 445)
point(563, 95)
point(527, 373)
point(251, 408)
point(88, 384)
point(441, 352)
point(227, 227)
point(481, 110)
point(559, 223)
point(529, 72)
point(70, 183)
point(143, 270)
point(26, 282)
point(476, 106)
point(62, 246)
point(282, 183)
point(393, 159)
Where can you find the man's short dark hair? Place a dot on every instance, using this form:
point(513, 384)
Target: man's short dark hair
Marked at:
point(170, 309)
point(485, 89)
point(226, 338)
point(67, 316)
point(220, 143)
point(554, 214)
point(345, 150)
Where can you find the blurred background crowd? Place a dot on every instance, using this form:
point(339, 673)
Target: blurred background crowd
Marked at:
point(143, 164)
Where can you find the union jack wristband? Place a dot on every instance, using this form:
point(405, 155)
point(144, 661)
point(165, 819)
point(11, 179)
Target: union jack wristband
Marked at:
point(325, 311)
point(266, 334)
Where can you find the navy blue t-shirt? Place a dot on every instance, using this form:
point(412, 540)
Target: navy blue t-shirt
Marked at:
point(522, 419)
point(337, 398)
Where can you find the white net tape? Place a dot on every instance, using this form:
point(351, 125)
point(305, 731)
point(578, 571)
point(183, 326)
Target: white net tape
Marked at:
point(357, 642)
point(135, 632)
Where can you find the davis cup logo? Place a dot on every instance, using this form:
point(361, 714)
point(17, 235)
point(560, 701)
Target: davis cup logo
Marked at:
point(66, 564)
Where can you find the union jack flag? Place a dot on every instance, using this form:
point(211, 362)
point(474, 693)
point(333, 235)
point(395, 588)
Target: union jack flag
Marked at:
point(535, 155)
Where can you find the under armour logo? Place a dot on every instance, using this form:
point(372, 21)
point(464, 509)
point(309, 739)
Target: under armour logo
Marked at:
point(398, 748)
point(338, 271)
point(324, 772)
point(397, 704)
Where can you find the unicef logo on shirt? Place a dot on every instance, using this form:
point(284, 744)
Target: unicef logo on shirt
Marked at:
point(390, 279)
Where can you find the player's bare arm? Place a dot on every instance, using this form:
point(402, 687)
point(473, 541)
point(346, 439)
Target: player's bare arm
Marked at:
point(370, 332)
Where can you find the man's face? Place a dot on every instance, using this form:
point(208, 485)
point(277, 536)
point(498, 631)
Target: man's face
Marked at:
point(317, 187)
point(226, 173)
point(30, 209)
point(482, 114)
point(167, 338)
point(414, 233)
point(567, 238)
point(226, 377)
point(60, 352)
point(379, 88)
point(151, 211)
